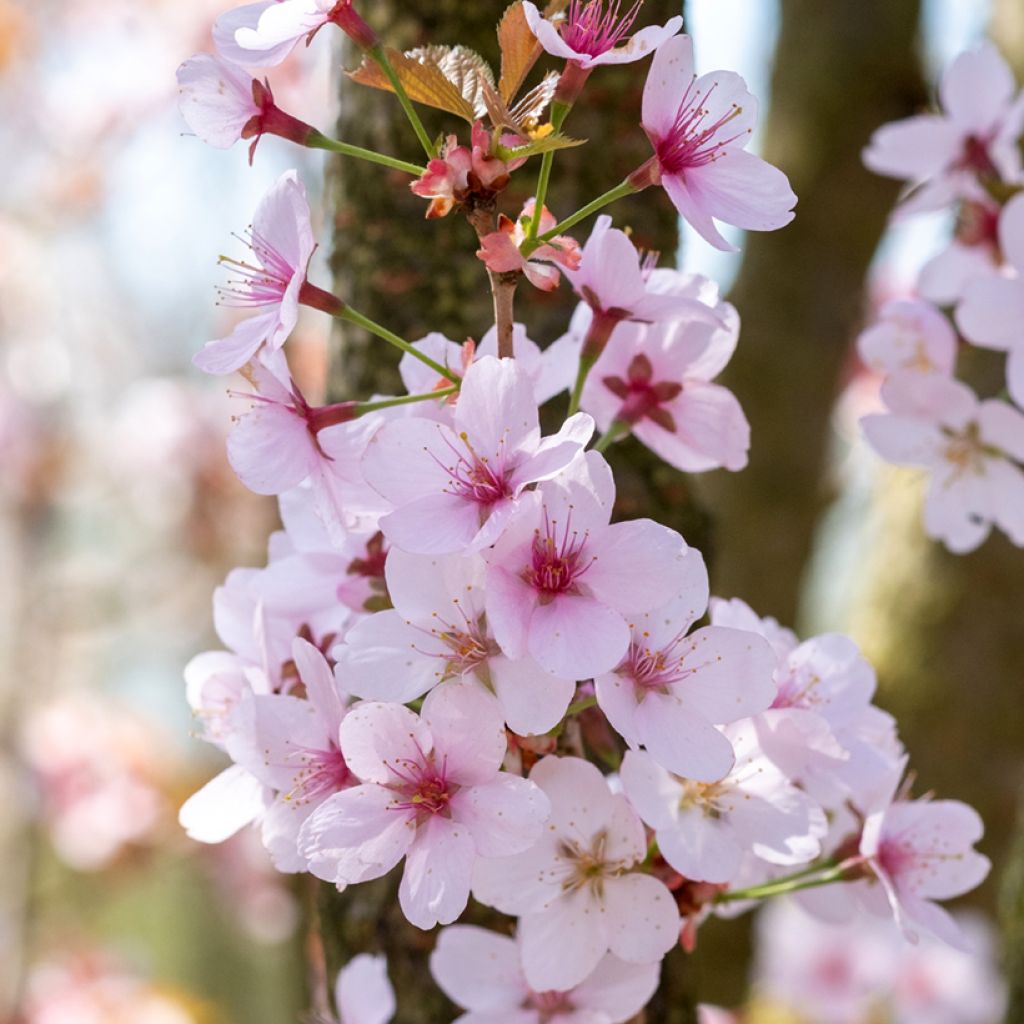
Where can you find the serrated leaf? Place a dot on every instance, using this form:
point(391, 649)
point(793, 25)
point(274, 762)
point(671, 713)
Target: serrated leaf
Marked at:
point(537, 146)
point(424, 82)
point(519, 51)
point(467, 71)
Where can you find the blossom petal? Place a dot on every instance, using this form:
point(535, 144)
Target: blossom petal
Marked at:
point(478, 969)
point(504, 816)
point(438, 869)
point(376, 736)
point(468, 730)
point(576, 637)
point(227, 803)
point(563, 944)
point(643, 921)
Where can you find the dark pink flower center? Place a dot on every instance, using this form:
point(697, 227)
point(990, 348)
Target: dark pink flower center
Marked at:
point(557, 562)
point(466, 642)
point(592, 28)
point(641, 396)
point(421, 785)
point(975, 157)
point(549, 1004)
point(323, 772)
point(264, 285)
point(693, 140)
point(477, 478)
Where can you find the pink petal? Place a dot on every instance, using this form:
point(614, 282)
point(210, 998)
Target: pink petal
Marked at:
point(468, 730)
point(215, 99)
point(682, 740)
point(270, 448)
point(282, 221)
point(436, 524)
point(363, 993)
point(377, 736)
point(637, 566)
point(227, 803)
point(563, 944)
point(1007, 485)
point(510, 605)
point(992, 312)
point(575, 637)
point(913, 149)
point(478, 969)
point(438, 867)
point(641, 43)
point(643, 922)
point(975, 89)
point(668, 80)
point(616, 989)
point(693, 210)
point(407, 459)
point(246, 16)
point(497, 409)
point(581, 802)
point(904, 440)
point(533, 701)
point(504, 816)
point(281, 24)
point(1011, 232)
point(225, 355)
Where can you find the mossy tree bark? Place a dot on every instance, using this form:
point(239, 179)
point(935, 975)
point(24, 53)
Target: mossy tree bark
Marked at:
point(840, 71)
point(416, 276)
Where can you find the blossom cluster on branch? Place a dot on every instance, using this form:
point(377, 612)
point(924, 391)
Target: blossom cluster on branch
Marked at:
point(457, 658)
point(966, 159)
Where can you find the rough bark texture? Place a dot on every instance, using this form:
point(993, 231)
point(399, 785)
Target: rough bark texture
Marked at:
point(841, 70)
point(416, 276)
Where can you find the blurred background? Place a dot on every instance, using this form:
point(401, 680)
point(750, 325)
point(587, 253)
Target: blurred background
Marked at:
point(119, 513)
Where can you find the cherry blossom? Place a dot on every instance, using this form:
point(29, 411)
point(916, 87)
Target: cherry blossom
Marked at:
point(972, 449)
point(479, 970)
point(561, 581)
point(704, 829)
point(577, 892)
point(500, 250)
point(699, 127)
point(438, 630)
point(909, 335)
point(281, 239)
point(974, 252)
point(921, 851)
point(594, 33)
point(363, 993)
point(432, 793)
point(673, 686)
point(456, 488)
point(264, 34)
point(991, 311)
point(222, 104)
point(657, 380)
point(944, 155)
point(282, 441)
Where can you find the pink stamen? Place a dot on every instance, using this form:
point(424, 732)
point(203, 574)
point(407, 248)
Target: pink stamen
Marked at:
point(556, 565)
point(593, 29)
point(423, 786)
point(323, 772)
point(474, 477)
point(257, 286)
point(690, 142)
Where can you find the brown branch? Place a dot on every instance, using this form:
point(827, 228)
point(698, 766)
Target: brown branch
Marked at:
point(503, 288)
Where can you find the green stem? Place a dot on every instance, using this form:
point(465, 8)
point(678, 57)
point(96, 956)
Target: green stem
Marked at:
point(580, 705)
point(577, 389)
point(349, 314)
point(620, 191)
point(390, 403)
point(559, 112)
point(791, 883)
point(615, 432)
point(319, 141)
point(378, 54)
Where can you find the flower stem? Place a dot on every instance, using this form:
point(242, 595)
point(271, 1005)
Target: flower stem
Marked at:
point(620, 191)
point(317, 140)
point(380, 56)
point(389, 403)
point(580, 705)
point(353, 317)
point(559, 112)
point(618, 430)
point(825, 874)
point(503, 288)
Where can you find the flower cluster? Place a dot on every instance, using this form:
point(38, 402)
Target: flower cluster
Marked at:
point(451, 597)
point(966, 158)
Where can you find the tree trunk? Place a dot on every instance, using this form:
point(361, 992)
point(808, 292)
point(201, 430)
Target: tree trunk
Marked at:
point(841, 70)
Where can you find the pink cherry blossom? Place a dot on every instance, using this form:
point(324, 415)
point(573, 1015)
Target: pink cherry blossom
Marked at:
point(577, 891)
point(972, 449)
point(461, 172)
point(991, 312)
point(500, 250)
point(699, 127)
point(282, 441)
point(362, 991)
point(438, 630)
point(479, 970)
point(561, 581)
point(281, 239)
point(222, 104)
point(671, 689)
point(292, 747)
point(432, 792)
point(703, 830)
point(909, 335)
point(944, 155)
point(264, 34)
point(974, 252)
point(658, 380)
point(456, 488)
point(592, 33)
point(921, 851)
